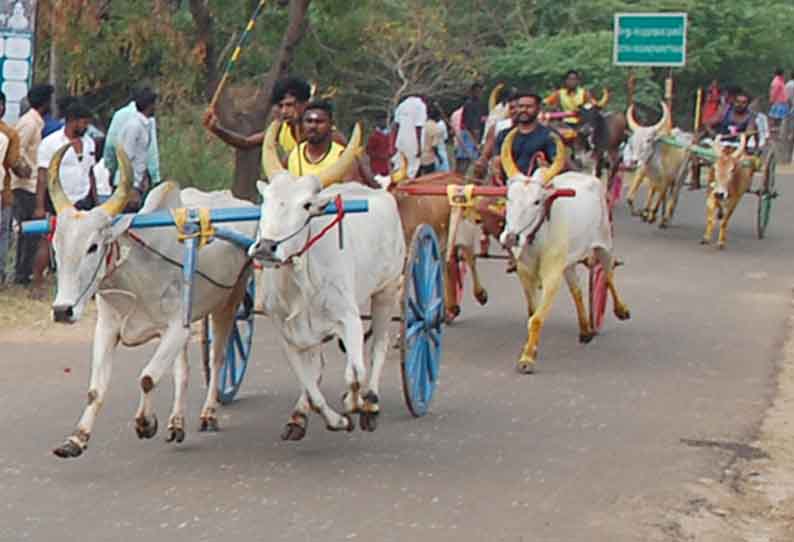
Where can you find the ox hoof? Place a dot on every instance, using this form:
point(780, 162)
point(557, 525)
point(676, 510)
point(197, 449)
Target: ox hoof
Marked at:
point(585, 338)
point(622, 313)
point(720, 246)
point(704, 241)
point(663, 225)
point(525, 367)
point(293, 432)
point(349, 426)
point(175, 434)
point(452, 313)
point(482, 297)
point(368, 421)
point(144, 428)
point(68, 450)
point(209, 425)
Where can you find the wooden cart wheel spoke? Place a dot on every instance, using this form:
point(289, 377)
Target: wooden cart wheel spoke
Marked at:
point(414, 329)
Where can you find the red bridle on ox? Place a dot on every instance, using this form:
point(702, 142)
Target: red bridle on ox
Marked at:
point(558, 193)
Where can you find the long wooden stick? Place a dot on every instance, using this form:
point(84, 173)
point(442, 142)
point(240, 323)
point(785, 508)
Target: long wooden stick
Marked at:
point(236, 54)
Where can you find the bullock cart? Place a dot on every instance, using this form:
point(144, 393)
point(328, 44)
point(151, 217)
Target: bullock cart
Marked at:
point(422, 305)
point(764, 164)
point(461, 198)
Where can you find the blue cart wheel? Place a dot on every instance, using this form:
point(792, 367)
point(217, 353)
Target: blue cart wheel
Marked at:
point(422, 320)
point(238, 348)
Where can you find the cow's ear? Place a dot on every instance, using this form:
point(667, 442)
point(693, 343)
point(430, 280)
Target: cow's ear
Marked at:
point(121, 225)
point(317, 204)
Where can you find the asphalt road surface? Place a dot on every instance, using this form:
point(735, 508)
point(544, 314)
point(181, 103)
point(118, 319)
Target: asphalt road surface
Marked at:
point(598, 445)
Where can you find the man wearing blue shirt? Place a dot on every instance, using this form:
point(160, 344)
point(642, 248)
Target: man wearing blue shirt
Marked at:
point(533, 141)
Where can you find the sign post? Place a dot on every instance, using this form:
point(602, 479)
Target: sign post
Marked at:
point(651, 40)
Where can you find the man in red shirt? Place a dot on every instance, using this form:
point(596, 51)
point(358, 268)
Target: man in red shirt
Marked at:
point(379, 146)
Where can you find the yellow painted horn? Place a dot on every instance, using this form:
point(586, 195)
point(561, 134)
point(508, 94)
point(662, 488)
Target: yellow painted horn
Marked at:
point(401, 174)
point(121, 195)
point(337, 171)
point(742, 147)
point(59, 199)
point(270, 160)
point(559, 161)
point(664, 123)
point(508, 163)
point(495, 94)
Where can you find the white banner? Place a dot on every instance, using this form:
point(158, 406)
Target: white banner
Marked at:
point(17, 43)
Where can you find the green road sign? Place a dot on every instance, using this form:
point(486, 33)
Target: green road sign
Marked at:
point(650, 39)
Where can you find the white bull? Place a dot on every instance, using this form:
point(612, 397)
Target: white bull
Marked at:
point(137, 278)
point(548, 241)
point(315, 293)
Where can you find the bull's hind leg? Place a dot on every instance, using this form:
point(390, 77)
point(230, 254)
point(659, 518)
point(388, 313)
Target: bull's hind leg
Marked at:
point(173, 341)
point(106, 339)
point(176, 422)
point(222, 321)
point(585, 329)
point(300, 362)
point(383, 304)
point(551, 271)
point(608, 262)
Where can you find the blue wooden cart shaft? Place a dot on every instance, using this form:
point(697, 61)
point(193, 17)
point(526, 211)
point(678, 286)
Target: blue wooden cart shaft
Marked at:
point(161, 219)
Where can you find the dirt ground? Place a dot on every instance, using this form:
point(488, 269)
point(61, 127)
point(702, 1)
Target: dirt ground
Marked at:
point(754, 500)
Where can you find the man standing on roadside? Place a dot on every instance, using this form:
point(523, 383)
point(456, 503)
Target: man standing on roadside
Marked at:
point(409, 122)
point(76, 176)
point(29, 127)
point(11, 160)
point(472, 122)
point(137, 120)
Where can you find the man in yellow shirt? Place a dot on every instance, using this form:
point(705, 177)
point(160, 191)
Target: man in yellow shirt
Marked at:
point(319, 150)
point(570, 98)
point(290, 96)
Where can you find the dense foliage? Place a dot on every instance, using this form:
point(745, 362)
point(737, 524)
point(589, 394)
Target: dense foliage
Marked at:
point(367, 53)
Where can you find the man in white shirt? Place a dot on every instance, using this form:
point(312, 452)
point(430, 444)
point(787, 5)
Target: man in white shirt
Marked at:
point(409, 121)
point(75, 173)
point(136, 138)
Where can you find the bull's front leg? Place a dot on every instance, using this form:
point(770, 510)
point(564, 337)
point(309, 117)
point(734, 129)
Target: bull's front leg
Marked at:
point(173, 341)
point(300, 363)
point(661, 202)
point(646, 211)
point(296, 427)
point(585, 327)
point(732, 203)
point(355, 369)
point(639, 174)
point(551, 274)
point(711, 211)
point(480, 293)
point(106, 339)
point(529, 285)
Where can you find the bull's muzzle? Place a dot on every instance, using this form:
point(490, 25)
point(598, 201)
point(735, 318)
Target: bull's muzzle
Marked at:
point(63, 314)
point(720, 196)
point(509, 240)
point(264, 250)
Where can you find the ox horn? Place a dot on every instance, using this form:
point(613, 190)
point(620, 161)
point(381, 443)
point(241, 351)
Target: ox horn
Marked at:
point(664, 123)
point(401, 174)
point(270, 160)
point(508, 163)
point(59, 199)
point(494, 98)
point(633, 124)
point(716, 145)
point(121, 195)
point(742, 147)
point(559, 161)
point(602, 103)
point(337, 171)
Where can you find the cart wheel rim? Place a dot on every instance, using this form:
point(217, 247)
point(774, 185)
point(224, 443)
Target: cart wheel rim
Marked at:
point(764, 213)
point(598, 296)
point(423, 313)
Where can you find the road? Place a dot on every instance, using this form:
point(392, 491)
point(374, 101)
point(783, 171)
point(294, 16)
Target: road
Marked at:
point(598, 445)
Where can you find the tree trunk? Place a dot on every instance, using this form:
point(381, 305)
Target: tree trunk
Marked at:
point(199, 9)
point(247, 109)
